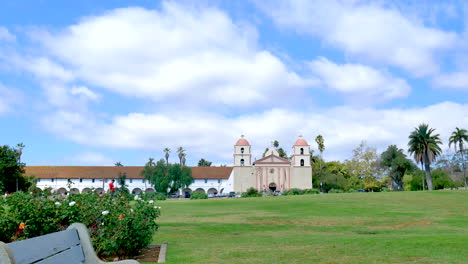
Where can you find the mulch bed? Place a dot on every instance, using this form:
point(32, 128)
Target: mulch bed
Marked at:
point(150, 254)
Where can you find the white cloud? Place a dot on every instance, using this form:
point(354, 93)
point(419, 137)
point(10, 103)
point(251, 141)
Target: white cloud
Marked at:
point(9, 97)
point(84, 92)
point(180, 54)
point(359, 81)
point(212, 136)
point(456, 81)
point(6, 35)
point(90, 159)
point(365, 30)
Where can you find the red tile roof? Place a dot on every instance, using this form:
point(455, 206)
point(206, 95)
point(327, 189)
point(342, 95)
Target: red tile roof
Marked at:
point(108, 172)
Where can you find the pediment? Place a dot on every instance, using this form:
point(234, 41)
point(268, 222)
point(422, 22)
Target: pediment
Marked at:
point(272, 159)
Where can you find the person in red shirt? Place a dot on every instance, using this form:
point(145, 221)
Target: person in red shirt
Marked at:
point(111, 186)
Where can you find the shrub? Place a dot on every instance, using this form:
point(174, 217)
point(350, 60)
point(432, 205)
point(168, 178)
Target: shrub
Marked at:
point(293, 191)
point(251, 192)
point(351, 190)
point(118, 226)
point(335, 191)
point(198, 195)
point(311, 191)
point(386, 189)
point(153, 196)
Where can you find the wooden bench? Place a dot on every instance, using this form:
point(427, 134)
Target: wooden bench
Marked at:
point(71, 246)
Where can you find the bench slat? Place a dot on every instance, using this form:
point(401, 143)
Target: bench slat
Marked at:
point(43, 246)
point(72, 256)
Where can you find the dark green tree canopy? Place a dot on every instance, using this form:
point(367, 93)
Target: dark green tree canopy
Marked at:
point(396, 164)
point(11, 170)
point(166, 176)
point(204, 163)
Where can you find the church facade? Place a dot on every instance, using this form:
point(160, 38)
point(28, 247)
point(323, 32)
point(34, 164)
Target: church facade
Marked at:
point(269, 173)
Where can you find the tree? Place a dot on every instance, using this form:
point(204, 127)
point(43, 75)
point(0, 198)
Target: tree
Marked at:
point(118, 164)
point(458, 137)
point(425, 146)
point(167, 177)
point(11, 170)
point(276, 144)
point(396, 164)
point(364, 166)
point(204, 163)
point(181, 154)
point(167, 152)
point(321, 146)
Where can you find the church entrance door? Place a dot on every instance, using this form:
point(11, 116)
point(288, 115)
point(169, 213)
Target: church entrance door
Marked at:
point(272, 186)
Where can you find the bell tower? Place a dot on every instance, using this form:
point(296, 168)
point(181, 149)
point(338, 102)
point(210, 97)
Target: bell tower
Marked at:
point(301, 153)
point(242, 153)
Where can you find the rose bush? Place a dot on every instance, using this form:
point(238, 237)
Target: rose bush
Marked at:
point(118, 226)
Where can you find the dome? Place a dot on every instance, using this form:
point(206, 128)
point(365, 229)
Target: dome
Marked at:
point(242, 142)
point(301, 142)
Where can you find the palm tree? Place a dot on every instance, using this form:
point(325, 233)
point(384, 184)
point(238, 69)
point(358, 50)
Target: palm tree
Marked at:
point(181, 154)
point(458, 137)
point(167, 151)
point(425, 147)
point(321, 147)
point(19, 151)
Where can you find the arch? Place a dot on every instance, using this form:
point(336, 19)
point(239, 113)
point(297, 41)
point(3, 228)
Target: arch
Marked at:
point(74, 190)
point(62, 191)
point(86, 190)
point(302, 162)
point(136, 191)
point(242, 150)
point(212, 192)
point(187, 190)
point(221, 191)
point(149, 190)
point(242, 162)
point(200, 190)
point(302, 151)
point(99, 190)
point(272, 186)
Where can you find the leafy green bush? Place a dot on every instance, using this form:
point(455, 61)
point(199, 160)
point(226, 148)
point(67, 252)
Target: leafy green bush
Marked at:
point(335, 191)
point(251, 192)
point(293, 191)
point(311, 191)
point(386, 189)
point(153, 196)
point(198, 195)
point(118, 226)
point(351, 190)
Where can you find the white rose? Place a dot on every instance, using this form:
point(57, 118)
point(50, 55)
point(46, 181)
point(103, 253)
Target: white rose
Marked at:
point(72, 203)
point(105, 212)
point(151, 201)
point(58, 204)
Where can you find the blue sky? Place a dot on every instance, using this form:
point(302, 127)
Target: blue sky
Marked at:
point(96, 82)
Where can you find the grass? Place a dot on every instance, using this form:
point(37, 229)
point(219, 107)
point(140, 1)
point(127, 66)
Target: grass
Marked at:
point(395, 227)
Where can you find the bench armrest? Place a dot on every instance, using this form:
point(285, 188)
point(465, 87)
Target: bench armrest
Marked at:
point(88, 250)
point(6, 256)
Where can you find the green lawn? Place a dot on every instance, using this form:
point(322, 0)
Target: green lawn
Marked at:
point(395, 227)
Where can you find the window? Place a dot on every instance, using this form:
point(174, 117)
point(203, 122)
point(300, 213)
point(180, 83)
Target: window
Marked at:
point(219, 181)
point(81, 180)
point(131, 180)
point(143, 181)
point(206, 180)
point(242, 150)
point(52, 180)
point(242, 162)
point(302, 162)
point(302, 151)
point(38, 180)
point(92, 180)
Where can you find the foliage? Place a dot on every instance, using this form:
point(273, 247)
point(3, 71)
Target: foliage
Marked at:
point(167, 152)
point(364, 166)
point(11, 170)
point(311, 191)
point(153, 196)
point(441, 179)
point(460, 136)
point(167, 177)
point(198, 195)
point(118, 226)
point(251, 192)
point(293, 191)
point(181, 154)
point(396, 164)
point(335, 191)
point(281, 152)
point(424, 146)
point(320, 143)
point(204, 163)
